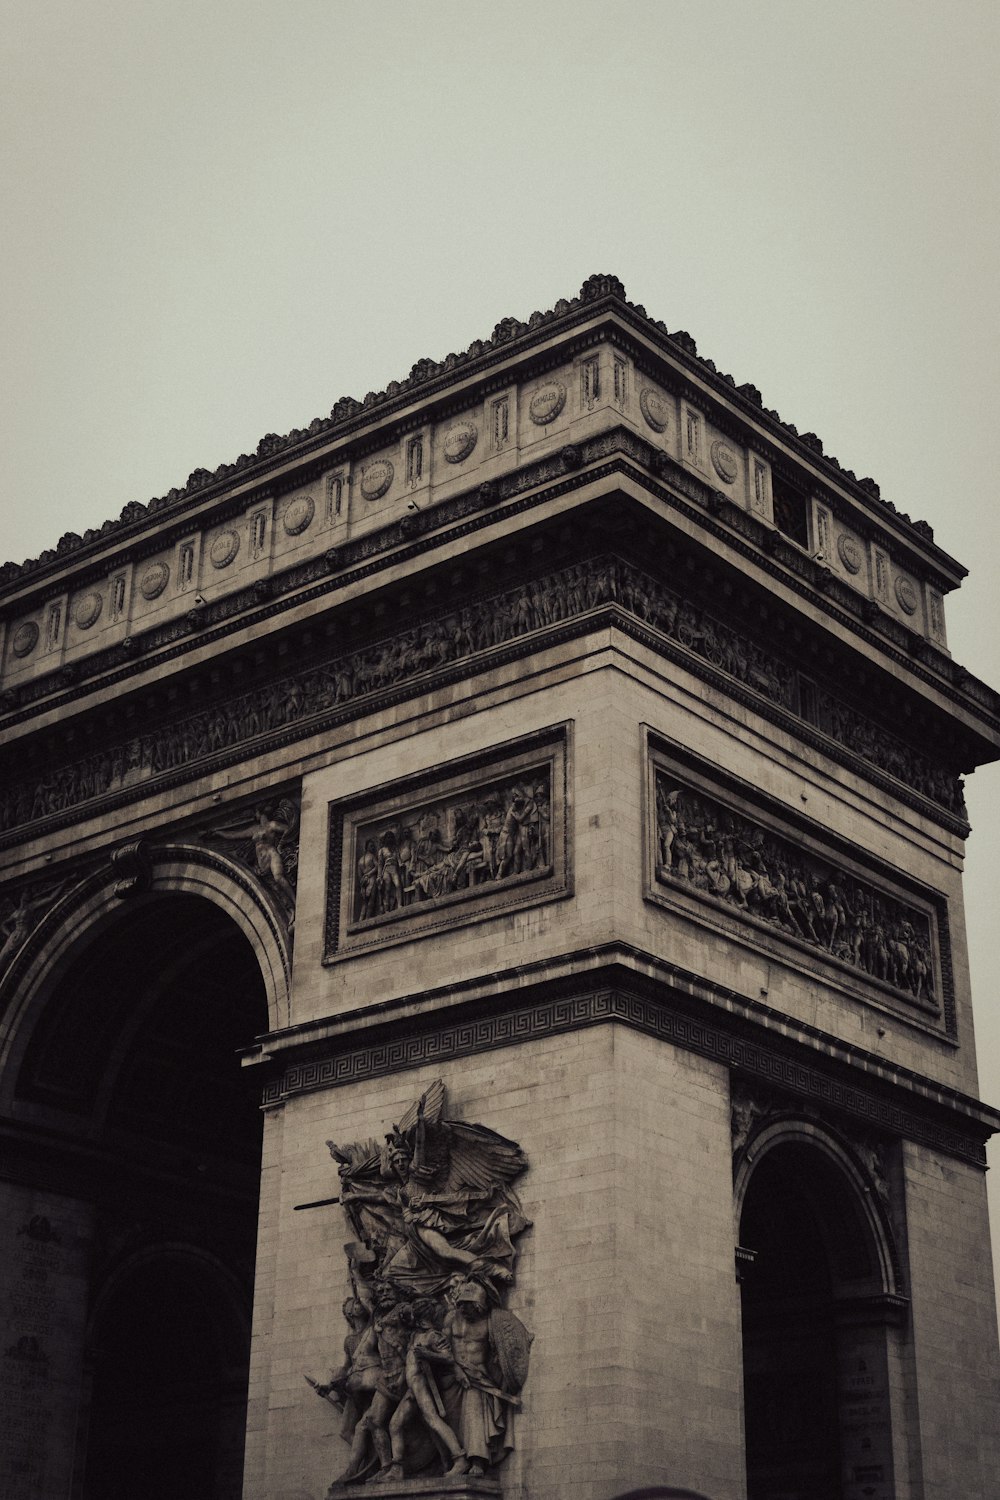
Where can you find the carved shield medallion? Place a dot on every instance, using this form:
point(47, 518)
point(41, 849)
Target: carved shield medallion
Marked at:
point(547, 402)
point(376, 479)
point(88, 610)
point(654, 409)
point(298, 516)
point(459, 442)
point(25, 639)
point(154, 580)
point(725, 462)
point(512, 1343)
point(224, 549)
point(850, 553)
point(906, 595)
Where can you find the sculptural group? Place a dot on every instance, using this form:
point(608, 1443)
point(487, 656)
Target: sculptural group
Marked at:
point(433, 1360)
point(461, 843)
point(717, 851)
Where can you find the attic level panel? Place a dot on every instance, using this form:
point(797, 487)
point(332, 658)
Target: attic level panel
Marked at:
point(729, 554)
point(586, 570)
point(704, 560)
point(567, 478)
point(400, 456)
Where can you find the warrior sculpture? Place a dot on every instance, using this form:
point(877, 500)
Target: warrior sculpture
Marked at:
point(434, 1360)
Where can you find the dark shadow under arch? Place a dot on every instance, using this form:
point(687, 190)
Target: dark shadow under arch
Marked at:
point(814, 1294)
point(132, 1061)
point(173, 1424)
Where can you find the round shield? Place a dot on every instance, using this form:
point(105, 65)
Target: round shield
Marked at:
point(512, 1343)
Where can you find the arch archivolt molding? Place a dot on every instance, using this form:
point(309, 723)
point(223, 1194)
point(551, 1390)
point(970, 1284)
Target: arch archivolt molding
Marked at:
point(135, 872)
point(860, 1164)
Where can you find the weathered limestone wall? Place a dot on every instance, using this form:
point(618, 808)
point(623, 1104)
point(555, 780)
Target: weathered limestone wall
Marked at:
point(45, 1244)
point(626, 1279)
point(503, 716)
point(683, 1409)
point(264, 1296)
point(953, 1312)
point(615, 695)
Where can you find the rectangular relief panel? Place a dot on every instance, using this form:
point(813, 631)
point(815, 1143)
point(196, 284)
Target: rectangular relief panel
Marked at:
point(480, 837)
point(720, 852)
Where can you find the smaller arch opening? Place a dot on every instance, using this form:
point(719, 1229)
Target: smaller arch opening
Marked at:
point(814, 1259)
point(170, 1425)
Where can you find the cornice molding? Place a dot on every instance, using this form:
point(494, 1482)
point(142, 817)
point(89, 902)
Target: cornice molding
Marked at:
point(622, 984)
point(429, 379)
point(415, 535)
point(312, 701)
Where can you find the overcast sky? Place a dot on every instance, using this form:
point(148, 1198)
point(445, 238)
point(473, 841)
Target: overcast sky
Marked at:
point(218, 217)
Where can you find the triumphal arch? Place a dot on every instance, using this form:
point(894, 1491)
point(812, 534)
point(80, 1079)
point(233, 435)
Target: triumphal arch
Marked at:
point(484, 996)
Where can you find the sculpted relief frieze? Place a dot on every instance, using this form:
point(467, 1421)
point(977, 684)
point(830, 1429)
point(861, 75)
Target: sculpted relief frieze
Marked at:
point(422, 857)
point(465, 843)
point(434, 1359)
point(342, 685)
point(707, 848)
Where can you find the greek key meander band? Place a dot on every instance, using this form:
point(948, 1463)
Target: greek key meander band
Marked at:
point(552, 1017)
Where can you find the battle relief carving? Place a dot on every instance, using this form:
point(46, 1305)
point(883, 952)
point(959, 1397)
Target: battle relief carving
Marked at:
point(480, 625)
point(489, 836)
point(705, 848)
point(434, 1360)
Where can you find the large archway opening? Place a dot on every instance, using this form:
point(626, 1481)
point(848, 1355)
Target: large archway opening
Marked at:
point(816, 1400)
point(135, 1055)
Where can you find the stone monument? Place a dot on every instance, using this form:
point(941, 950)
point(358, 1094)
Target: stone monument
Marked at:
point(483, 986)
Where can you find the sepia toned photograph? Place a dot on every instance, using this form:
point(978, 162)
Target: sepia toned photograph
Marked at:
point(499, 724)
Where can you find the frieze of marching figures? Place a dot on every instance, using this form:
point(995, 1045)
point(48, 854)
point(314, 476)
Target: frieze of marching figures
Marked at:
point(469, 843)
point(480, 625)
point(706, 847)
point(434, 1359)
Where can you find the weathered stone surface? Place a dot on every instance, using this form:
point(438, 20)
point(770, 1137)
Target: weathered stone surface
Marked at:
point(545, 775)
point(418, 1489)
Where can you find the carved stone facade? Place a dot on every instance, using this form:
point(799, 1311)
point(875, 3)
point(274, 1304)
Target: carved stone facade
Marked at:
point(239, 723)
point(485, 839)
point(540, 782)
point(705, 846)
point(434, 1360)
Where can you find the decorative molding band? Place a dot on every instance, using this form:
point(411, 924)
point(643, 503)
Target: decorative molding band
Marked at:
point(766, 1060)
point(605, 314)
point(413, 534)
point(456, 645)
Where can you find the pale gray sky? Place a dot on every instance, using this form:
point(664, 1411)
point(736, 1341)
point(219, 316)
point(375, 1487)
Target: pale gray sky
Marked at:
point(218, 218)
